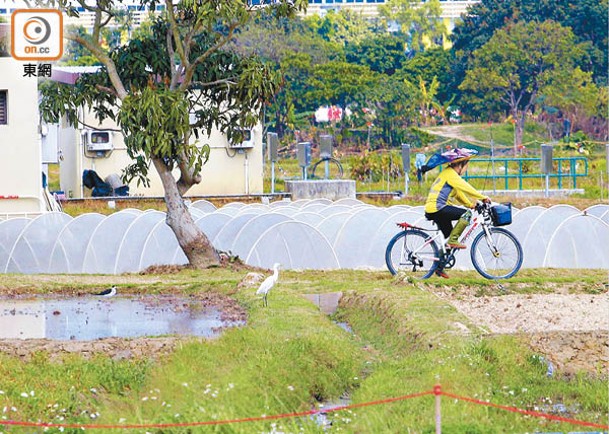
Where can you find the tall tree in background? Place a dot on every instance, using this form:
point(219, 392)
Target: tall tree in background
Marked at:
point(521, 62)
point(341, 83)
point(381, 53)
point(342, 27)
point(395, 103)
point(151, 85)
point(434, 63)
point(588, 20)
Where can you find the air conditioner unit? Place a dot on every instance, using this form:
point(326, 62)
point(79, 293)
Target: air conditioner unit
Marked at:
point(247, 142)
point(98, 140)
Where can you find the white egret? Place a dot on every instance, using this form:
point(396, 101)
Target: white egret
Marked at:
point(268, 283)
point(110, 292)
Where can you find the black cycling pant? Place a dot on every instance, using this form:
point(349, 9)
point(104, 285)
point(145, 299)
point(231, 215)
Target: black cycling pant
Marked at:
point(445, 217)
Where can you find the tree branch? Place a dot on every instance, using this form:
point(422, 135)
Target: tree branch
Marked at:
point(187, 179)
point(227, 81)
point(190, 70)
point(106, 89)
point(175, 72)
point(103, 57)
point(173, 25)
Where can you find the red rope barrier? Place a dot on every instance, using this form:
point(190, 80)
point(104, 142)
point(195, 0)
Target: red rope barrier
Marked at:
point(216, 422)
point(527, 412)
point(437, 391)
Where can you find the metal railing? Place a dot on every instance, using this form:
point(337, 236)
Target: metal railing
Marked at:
point(507, 169)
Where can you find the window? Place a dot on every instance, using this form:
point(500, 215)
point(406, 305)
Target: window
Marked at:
point(3, 108)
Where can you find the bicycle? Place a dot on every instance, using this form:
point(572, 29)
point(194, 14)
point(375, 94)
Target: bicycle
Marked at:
point(495, 252)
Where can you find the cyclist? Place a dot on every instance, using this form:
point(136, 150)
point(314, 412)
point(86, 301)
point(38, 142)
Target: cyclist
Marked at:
point(449, 188)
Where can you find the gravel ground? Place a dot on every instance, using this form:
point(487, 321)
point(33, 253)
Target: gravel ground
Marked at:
point(571, 330)
point(536, 313)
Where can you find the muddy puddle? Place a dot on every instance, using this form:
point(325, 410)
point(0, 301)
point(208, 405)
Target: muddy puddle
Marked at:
point(90, 318)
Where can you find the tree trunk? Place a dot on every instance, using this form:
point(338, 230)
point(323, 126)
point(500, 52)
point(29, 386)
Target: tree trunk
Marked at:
point(518, 133)
point(196, 246)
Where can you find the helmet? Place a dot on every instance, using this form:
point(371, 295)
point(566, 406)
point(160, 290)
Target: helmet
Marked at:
point(451, 156)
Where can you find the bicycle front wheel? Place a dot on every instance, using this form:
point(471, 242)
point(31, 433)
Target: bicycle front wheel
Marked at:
point(412, 252)
point(498, 256)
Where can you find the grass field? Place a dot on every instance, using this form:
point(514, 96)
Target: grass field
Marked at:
point(290, 358)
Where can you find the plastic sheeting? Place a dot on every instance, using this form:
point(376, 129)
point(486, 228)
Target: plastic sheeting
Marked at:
point(105, 242)
point(294, 245)
point(68, 254)
point(32, 249)
point(579, 242)
point(128, 257)
point(161, 248)
point(203, 205)
point(250, 233)
point(352, 241)
point(541, 230)
point(316, 234)
point(9, 232)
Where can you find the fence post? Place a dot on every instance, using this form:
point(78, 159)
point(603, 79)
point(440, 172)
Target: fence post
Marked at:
point(437, 391)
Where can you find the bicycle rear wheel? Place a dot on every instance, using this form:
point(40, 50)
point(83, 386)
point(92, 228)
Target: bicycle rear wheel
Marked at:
point(499, 256)
point(412, 252)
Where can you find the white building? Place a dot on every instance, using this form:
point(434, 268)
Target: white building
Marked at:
point(231, 169)
point(451, 9)
point(21, 180)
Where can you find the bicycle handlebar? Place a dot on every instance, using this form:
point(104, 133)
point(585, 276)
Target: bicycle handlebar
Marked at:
point(480, 206)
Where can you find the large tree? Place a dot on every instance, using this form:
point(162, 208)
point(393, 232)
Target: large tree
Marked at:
point(340, 83)
point(382, 53)
point(588, 20)
point(428, 65)
point(153, 85)
point(519, 64)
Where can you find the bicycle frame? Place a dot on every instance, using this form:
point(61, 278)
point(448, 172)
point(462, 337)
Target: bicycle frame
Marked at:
point(478, 220)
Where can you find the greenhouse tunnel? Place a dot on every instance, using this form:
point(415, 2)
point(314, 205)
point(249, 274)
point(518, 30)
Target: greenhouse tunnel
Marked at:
point(305, 234)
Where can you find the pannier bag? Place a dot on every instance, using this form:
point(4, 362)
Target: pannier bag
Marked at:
point(501, 214)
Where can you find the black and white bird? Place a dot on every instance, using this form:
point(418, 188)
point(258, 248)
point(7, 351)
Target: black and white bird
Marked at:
point(110, 292)
point(268, 283)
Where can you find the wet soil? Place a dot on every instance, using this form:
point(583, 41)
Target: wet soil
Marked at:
point(568, 327)
point(125, 348)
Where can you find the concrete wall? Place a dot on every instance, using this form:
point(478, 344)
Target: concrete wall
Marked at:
point(20, 154)
point(228, 171)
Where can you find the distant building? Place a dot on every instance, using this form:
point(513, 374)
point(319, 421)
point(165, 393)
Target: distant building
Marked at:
point(451, 10)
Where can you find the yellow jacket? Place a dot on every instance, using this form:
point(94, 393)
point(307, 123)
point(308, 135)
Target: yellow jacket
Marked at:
point(449, 188)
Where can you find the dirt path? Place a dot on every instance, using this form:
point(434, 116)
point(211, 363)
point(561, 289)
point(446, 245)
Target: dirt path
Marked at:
point(570, 330)
point(451, 131)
